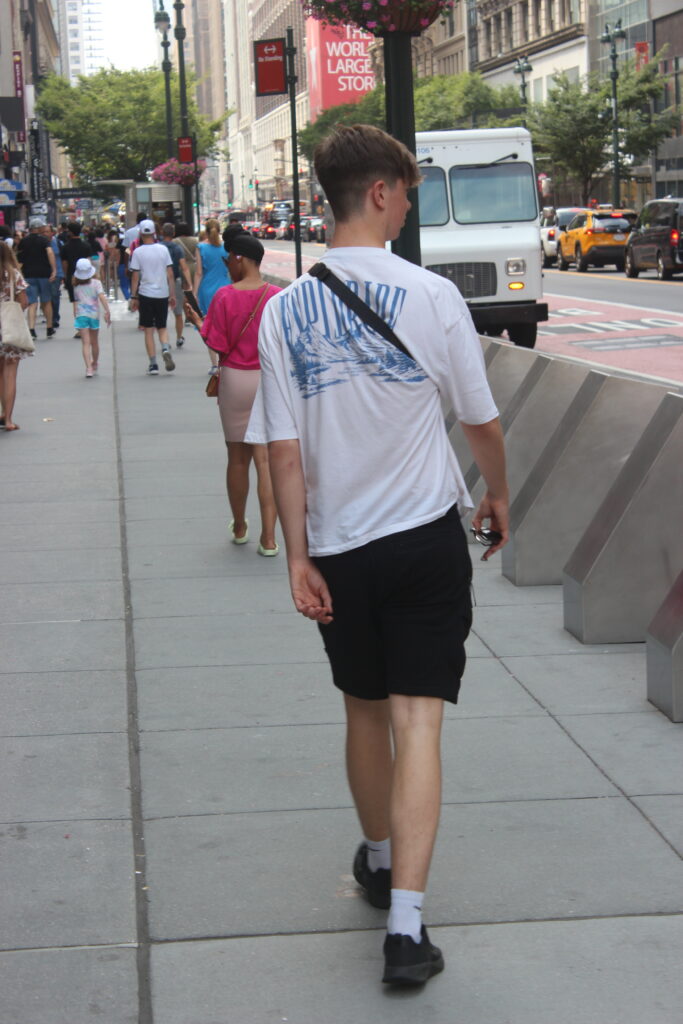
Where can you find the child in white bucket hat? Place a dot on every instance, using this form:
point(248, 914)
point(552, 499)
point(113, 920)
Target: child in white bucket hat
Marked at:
point(88, 292)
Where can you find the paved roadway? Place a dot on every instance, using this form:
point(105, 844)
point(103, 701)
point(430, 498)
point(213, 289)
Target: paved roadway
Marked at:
point(600, 316)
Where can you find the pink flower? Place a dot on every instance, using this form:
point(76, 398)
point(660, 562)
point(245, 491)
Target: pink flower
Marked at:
point(371, 24)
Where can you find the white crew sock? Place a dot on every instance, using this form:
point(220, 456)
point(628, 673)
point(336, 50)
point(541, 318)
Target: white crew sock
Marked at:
point(379, 854)
point(405, 916)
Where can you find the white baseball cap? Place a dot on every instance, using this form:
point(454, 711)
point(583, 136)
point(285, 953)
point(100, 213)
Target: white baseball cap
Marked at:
point(84, 268)
point(147, 227)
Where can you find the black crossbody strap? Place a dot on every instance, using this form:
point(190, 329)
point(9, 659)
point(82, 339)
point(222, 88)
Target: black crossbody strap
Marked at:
point(360, 308)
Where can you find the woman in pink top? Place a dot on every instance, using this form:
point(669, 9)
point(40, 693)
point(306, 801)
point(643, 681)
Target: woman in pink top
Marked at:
point(231, 329)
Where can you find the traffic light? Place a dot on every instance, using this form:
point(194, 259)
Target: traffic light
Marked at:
point(251, 183)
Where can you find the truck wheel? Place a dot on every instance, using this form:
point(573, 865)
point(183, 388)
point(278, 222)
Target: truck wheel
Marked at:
point(523, 335)
point(581, 261)
point(630, 266)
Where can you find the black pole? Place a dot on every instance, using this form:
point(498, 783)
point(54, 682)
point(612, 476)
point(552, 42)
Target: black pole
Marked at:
point(398, 77)
point(166, 68)
point(615, 127)
point(291, 81)
point(196, 175)
point(180, 34)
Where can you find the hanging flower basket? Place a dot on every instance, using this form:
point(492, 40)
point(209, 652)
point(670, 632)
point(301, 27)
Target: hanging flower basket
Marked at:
point(174, 173)
point(379, 16)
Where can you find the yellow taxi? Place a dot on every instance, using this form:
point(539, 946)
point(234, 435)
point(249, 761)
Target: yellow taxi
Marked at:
point(595, 238)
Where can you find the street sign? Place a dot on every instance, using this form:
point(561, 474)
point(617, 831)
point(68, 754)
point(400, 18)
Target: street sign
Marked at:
point(69, 193)
point(185, 150)
point(270, 67)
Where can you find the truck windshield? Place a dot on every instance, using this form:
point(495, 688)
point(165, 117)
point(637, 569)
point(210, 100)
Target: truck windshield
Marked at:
point(493, 193)
point(432, 197)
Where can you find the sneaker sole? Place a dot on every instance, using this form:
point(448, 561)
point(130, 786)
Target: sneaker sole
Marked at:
point(168, 361)
point(152, 373)
point(414, 974)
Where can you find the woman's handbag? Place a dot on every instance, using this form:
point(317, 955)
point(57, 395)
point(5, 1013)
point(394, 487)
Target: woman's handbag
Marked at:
point(212, 386)
point(13, 326)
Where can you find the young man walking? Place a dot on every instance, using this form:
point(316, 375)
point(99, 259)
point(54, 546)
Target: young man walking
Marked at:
point(153, 290)
point(39, 267)
point(181, 278)
point(370, 496)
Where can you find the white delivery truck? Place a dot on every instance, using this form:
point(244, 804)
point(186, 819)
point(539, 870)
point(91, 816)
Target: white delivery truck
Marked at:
point(479, 225)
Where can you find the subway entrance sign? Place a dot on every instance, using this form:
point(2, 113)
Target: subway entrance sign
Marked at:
point(270, 67)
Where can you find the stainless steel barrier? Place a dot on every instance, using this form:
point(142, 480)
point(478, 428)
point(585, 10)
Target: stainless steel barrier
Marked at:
point(664, 642)
point(573, 474)
point(632, 549)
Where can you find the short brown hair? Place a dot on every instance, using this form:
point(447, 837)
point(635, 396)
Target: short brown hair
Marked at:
point(352, 157)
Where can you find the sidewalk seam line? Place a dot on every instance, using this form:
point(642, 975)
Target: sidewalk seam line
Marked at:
point(145, 1015)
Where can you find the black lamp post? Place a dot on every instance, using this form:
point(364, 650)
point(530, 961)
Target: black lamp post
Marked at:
point(522, 67)
point(609, 38)
point(180, 33)
point(162, 24)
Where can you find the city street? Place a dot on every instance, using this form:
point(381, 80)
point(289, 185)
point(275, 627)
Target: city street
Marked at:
point(177, 834)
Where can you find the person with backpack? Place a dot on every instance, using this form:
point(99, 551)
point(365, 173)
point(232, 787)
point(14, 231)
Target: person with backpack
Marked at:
point(181, 277)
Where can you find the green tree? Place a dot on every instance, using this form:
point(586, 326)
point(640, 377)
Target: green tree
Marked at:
point(113, 123)
point(573, 129)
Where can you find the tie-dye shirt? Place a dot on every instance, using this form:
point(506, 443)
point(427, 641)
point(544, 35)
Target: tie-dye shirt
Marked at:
point(87, 300)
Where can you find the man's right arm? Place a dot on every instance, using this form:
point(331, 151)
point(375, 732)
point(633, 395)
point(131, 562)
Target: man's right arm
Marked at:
point(309, 590)
point(486, 442)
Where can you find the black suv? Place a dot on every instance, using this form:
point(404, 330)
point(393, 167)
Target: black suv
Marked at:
point(657, 239)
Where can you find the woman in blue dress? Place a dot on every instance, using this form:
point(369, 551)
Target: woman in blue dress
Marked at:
point(211, 272)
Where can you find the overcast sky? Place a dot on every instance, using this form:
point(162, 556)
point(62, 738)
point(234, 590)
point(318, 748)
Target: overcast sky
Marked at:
point(130, 40)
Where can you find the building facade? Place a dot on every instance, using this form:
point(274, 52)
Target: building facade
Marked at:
point(81, 37)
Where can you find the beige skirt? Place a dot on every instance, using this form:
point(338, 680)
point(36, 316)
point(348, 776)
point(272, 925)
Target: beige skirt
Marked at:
point(236, 393)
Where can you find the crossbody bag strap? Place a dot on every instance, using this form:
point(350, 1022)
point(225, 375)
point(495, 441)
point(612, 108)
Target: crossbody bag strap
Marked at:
point(360, 308)
point(254, 311)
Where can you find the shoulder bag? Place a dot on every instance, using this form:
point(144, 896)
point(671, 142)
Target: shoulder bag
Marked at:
point(213, 384)
point(13, 326)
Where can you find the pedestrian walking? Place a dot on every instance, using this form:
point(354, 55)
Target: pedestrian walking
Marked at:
point(152, 291)
point(38, 266)
point(230, 329)
point(56, 285)
point(13, 288)
point(75, 249)
point(89, 295)
point(118, 261)
point(181, 278)
point(211, 272)
point(188, 243)
point(133, 233)
point(370, 494)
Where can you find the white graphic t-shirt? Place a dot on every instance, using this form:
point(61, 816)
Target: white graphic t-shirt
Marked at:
point(374, 448)
point(151, 261)
point(87, 298)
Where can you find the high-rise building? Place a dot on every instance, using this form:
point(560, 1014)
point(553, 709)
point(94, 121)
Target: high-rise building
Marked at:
point(205, 53)
point(81, 36)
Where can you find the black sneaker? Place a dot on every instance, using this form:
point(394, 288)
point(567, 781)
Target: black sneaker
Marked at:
point(377, 884)
point(51, 332)
point(152, 369)
point(168, 359)
point(179, 342)
point(33, 333)
point(407, 962)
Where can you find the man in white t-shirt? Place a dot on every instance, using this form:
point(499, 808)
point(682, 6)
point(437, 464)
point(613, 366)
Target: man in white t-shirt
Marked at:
point(153, 290)
point(370, 495)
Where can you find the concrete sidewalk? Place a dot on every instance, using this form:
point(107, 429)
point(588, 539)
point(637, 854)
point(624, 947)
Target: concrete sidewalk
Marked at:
point(177, 833)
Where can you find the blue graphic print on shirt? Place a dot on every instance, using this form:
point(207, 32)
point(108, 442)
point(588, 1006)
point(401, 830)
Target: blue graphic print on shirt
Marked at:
point(328, 351)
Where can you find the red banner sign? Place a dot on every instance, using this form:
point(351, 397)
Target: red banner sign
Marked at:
point(270, 67)
point(185, 150)
point(18, 74)
point(339, 65)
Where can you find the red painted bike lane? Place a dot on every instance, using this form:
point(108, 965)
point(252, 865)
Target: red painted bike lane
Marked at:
point(635, 338)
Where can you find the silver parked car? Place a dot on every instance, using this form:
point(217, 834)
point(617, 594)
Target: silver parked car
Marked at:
point(552, 223)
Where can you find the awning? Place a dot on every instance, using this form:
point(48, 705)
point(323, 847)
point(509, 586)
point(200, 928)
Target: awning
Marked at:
point(9, 185)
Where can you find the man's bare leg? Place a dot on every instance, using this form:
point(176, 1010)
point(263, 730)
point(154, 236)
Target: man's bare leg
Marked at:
point(32, 313)
point(369, 763)
point(149, 344)
point(416, 790)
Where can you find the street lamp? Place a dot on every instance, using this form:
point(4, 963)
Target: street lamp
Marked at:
point(609, 38)
point(180, 33)
point(162, 24)
point(522, 67)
